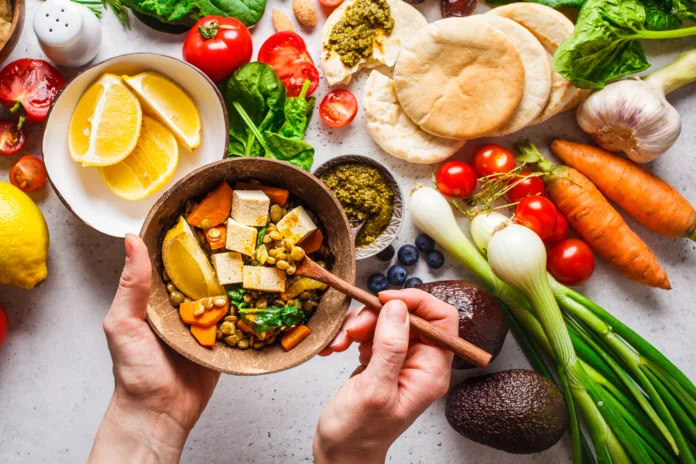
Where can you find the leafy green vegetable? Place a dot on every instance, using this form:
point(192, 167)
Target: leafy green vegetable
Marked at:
point(273, 317)
point(263, 121)
point(259, 237)
point(659, 15)
point(605, 43)
point(189, 11)
point(551, 3)
point(236, 296)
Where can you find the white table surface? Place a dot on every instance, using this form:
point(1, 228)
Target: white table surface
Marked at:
point(55, 369)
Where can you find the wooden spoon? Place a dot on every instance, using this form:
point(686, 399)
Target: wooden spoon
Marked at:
point(460, 347)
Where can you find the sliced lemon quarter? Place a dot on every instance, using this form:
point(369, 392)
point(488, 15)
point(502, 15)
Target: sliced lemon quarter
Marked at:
point(150, 165)
point(106, 123)
point(169, 103)
point(187, 265)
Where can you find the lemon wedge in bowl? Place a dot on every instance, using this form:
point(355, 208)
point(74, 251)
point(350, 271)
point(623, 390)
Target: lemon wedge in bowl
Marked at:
point(170, 104)
point(187, 265)
point(106, 123)
point(150, 165)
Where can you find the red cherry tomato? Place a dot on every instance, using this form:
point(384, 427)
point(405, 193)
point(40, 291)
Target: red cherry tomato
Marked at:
point(560, 231)
point(30, 85)
point(11, 137)
point(218, 46)
point(338, 108)
point(571, 262)
point(28, 174)
point(525, 186)
point(330, 3)
point(286, 52)
point(456, 179)
point(537, 213)
point(493, 159)
point(3, 325)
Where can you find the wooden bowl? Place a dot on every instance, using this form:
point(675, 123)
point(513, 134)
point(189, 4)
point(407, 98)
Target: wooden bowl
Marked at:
point(328, 317)
point(16, 26)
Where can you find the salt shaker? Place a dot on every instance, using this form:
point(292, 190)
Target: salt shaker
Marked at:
point(69, 33)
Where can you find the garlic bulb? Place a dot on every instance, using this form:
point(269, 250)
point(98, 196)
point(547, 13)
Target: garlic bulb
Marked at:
point(633, 116)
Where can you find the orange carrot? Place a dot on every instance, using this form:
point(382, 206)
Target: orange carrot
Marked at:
point(597, 222)
point(242, 326)
point(277, 195)
point(204, 335)
point(313, 242)
point(293, 338)
point(207, 319)
point(220, 242)
point(646, 197)
point(215, 207)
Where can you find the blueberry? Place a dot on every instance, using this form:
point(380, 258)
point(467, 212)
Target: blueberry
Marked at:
point(377, 283)
point(408, 255)
point(397, 274)
point(412, 282)
point(435, 259)
point(425, 243)
point(387, 254)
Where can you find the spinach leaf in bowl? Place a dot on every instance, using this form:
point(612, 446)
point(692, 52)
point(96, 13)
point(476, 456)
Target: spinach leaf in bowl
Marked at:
point(187, 12)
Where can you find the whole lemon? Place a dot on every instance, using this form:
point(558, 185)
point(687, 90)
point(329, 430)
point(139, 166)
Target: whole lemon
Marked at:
point(23, 239)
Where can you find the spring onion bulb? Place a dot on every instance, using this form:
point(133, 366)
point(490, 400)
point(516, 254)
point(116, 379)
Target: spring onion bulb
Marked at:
point(483, 226)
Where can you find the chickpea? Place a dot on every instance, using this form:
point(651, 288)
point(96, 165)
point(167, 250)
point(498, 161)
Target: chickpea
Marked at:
point(176, 298)
point(276, 213)
point(297, 253)
point(282, 265)
point(171, 287)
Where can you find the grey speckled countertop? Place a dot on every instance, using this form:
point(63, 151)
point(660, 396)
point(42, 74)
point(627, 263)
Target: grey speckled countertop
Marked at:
point(55, 370)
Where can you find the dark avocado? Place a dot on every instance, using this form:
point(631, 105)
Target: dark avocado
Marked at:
point(518, 411)
point(481, 317)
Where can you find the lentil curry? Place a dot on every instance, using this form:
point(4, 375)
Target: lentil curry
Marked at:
point(365, 196)
point(354, 36)
point(254, 260)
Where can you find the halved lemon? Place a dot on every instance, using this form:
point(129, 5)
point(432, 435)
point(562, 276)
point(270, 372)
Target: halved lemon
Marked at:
point(170, 104)
point(150, 165)
point(187, 265)
point(106, 123)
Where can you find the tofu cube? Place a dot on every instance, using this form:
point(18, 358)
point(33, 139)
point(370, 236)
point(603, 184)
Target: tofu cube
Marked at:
point(240, 238)
point(296, 225)
point(229, 267)
point(264, 278)
point(250, 207)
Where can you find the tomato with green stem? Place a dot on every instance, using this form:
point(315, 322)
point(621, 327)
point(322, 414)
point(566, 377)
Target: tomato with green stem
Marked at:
point(11, 137)
point(28, 174)
point(493, 159)
point(571, 262)
point(338, 108)
point(525, 185)
point(286, 52)
point(539, 214)
point(28, 88)
point(456, 179)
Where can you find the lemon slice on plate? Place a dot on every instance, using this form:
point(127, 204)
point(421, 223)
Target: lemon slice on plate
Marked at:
point(170, 104)
point(106, 123)
point(150, 165)
point(187, 265)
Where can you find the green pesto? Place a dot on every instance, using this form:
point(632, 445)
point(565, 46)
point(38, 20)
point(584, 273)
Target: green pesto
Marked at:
point(353, 36)
point(365, 195)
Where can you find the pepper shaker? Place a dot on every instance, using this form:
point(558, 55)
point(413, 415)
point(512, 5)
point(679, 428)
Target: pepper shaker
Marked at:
point(69, 33)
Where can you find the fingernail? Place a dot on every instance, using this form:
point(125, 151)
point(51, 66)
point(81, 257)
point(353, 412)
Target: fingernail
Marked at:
point(337, 340)
point(389, 293)
point(396, 312)
point(128, 245)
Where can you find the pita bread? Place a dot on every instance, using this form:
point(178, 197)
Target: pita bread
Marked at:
point(394, 132)
point(537, 72)
point(550, 27)
point(459, 79)
point(407, 20)
point(6, 10)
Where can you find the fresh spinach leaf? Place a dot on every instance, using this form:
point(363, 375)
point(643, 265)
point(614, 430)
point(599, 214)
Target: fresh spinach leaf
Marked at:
point(605, 44)
point(659, 15)
point(259, 236)
point(273, 317)
point(551, 3)
point(236, 296)
point(685, 9)
point(187, 12)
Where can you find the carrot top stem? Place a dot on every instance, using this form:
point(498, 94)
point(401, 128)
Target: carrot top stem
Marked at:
point(530, 153)
point(692, 235)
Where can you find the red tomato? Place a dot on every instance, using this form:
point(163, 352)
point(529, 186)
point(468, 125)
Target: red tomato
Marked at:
point(30, 85)
point(11, 137)
point(456, 179)
point(3, 325)
point(338, 108)
point(286, 52)
point(218, 46)
point(571, 262)
point(560, 231)
point(330, 3)
point(493, 159)
point(527, 186)
point(28, 174)
point(537, 213)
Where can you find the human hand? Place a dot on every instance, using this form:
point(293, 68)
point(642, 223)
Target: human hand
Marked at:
point(400, 375)
point(158, 395)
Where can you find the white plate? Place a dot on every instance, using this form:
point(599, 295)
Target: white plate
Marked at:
point(82, 190)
